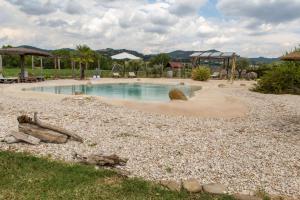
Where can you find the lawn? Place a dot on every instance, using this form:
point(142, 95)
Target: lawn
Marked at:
point(24, 176)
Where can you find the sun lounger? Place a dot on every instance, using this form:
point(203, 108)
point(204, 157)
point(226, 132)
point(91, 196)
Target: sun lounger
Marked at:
point(8, 80)
point(116, 75)
point(131, 75)
point(215, 75)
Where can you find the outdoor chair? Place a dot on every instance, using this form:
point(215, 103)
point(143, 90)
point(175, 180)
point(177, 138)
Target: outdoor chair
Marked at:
point(116, 75)
point(8, 80)
point(131, 75)
point(215, 75)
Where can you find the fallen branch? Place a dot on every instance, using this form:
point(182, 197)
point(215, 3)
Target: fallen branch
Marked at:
point(57, 129)
point(25, 138)
point(101, 160)
point(24, 119)
point(45, 135)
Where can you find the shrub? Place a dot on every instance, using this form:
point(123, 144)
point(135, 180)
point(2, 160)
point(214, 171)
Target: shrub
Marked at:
point(201, 74)
point(283, 79)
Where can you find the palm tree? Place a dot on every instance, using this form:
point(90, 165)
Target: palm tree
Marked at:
point(84, 55)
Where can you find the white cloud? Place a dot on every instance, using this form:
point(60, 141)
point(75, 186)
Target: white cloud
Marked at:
point(160, 26)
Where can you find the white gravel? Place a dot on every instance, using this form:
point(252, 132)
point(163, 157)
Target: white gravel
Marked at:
point(261, 150)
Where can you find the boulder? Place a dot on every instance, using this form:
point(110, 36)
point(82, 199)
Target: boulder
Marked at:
point(192, 185)
point(214, 188)
point(10, 139)
point(176, 94)
point(171, 185)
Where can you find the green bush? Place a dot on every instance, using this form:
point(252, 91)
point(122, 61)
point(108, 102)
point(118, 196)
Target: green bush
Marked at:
point(201, 74)
point(283, 79)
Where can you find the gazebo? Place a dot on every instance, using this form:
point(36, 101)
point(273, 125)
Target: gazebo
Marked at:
point(224, 57)
point(22, 52)
point(125, 56)
point(294, 56)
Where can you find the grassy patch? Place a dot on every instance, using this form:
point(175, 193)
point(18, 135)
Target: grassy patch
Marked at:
point(27, 177)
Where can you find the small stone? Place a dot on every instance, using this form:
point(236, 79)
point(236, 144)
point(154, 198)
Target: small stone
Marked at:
point(245, 197)
point(221, 85)
point(192, 185)
point(171, 185)
point(214, 188)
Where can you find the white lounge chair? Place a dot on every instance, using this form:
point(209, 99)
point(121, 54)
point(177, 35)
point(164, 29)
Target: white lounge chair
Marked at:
point(215, 75)
point(116, 75)
point(8, 80)
point(131, 75)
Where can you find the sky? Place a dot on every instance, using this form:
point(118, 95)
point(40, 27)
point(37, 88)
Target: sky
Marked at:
point(249, 27)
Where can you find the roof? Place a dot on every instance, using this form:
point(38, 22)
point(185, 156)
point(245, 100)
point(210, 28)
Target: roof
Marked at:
point(215, 55)
point(175, 64)
point(294, 56)
point(23, 51)
point(124, 55)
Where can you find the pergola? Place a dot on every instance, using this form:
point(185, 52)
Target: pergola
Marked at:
point(22, 52)
point(224, 57)
point(294, 56)
point(125, 56)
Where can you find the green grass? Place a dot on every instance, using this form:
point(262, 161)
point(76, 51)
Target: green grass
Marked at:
point(27, 177)
point(67, 73)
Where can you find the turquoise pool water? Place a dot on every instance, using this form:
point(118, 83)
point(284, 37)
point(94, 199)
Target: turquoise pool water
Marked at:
point(128, 91)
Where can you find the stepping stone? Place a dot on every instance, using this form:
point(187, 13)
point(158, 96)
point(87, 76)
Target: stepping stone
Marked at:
point(192, 185)
point(214, 188)
point(171, 185)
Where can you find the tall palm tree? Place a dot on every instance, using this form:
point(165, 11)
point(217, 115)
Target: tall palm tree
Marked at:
point(84, 55)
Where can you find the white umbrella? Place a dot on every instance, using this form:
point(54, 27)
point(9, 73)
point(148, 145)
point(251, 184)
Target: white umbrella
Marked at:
point(124, 56)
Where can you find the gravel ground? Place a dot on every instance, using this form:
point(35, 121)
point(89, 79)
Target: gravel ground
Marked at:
point(261, 150)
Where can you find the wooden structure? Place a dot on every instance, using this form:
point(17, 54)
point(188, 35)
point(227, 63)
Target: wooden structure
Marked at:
point(22, 52)
point(224, 57)
point(175, 65)
point(294, 56)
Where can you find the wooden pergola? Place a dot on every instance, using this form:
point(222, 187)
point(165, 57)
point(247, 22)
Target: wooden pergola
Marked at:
point(224, 57)
point(294, 56)
point(22, 52)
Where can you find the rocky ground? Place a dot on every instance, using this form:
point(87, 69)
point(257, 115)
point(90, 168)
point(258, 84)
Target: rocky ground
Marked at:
point(261, 150)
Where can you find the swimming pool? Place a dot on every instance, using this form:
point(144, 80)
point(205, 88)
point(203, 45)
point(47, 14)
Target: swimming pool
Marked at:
point(127, 91)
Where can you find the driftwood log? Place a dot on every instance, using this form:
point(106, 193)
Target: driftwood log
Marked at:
point(25, 138)
point(45, 135)
point(101, 160)
point(43, 130)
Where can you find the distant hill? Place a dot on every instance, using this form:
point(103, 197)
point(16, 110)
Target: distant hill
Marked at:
point(260, 60)
point(179, 55)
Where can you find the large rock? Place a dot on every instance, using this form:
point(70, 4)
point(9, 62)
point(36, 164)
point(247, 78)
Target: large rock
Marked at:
point(214, 188)
point(192, 185)
point(171, 185)
point(176, 94)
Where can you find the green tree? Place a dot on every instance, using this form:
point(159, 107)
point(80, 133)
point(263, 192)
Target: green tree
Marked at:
point(84, 54)
point(241, 65)
point(161, 60)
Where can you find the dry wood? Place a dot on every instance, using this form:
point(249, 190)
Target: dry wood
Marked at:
point(25, 138)
point(57, 129)
point(25, 119)
point(44, 135)
point(101, 160)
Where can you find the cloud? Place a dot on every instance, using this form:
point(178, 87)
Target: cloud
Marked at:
point(186, 7)
point(35, 7)
point(73, 7)
point(152, 26)
point(266, 11)
point(52, 23)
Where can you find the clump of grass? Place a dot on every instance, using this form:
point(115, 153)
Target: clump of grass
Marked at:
point(262, 194)
point(24, 176)
point(169, 169)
